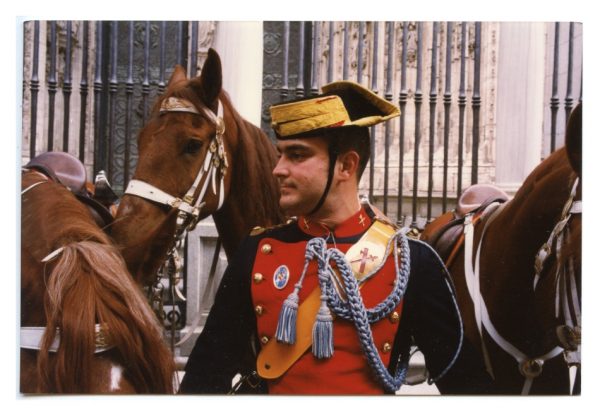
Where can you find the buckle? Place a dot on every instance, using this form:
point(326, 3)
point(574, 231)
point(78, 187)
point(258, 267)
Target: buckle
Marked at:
point(252, 379)
point(531, 368)
point(569, 337)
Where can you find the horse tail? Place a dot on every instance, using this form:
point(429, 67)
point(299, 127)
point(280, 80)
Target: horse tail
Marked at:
point(90, 284)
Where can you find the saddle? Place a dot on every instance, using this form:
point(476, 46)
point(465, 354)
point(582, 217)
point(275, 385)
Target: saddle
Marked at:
point(69, 171)
point(445, 233)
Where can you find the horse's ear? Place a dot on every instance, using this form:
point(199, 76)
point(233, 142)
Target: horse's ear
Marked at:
point(573, 139)
point(178, 76)
point(208, 86)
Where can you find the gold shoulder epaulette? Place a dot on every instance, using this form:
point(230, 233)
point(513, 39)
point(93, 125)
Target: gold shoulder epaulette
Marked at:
point(413, 233)
point(258, 230)
point(382, 218)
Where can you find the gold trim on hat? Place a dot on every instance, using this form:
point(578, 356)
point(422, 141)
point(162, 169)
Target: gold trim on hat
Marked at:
point(306, 115)
point(329, 111)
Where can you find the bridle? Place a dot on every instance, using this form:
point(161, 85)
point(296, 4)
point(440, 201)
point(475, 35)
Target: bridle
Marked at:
point(567, 302)
point(190, 205)
point(569, 334)
point(215, 163)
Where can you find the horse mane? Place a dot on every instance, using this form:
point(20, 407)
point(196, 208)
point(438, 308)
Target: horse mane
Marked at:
point(558, 169)
point(546, 188)
point(89, 283)
point(259, 154)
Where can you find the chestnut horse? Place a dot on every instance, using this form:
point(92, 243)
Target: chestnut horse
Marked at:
point(85, 325)
point(523, 274)
point(197, 157)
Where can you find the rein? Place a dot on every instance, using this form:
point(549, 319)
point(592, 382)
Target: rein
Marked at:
point(529, 367)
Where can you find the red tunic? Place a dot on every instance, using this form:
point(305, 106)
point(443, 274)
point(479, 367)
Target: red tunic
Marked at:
point(347, 371)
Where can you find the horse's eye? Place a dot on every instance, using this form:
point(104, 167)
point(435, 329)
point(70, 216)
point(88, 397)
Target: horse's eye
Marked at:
point(192, 146)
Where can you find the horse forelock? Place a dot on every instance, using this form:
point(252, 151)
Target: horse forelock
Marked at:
point(133, 327)
point(192, 91)
point(90, 284)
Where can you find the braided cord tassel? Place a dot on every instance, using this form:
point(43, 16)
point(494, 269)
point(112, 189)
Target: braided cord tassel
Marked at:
point(288, 315)
point(354, 309)
point(365, 335)
point(322, 335)
point(286, 326)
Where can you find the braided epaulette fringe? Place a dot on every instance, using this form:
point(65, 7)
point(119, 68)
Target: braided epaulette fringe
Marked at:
point(258, 230)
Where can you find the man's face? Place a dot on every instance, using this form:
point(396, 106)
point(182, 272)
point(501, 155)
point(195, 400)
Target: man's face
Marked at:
point(302, 173)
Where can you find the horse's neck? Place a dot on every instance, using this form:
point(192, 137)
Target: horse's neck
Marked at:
point(519, 231)
point(231, 227)
point(233, 221)
point(253, 195)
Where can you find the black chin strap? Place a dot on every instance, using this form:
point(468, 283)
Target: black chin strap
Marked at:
point(333, 154)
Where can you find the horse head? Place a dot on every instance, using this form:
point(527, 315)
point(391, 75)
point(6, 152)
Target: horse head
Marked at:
point(182, 154)
point(194, 152)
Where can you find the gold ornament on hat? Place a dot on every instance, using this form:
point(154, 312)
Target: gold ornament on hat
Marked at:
point(343, 103)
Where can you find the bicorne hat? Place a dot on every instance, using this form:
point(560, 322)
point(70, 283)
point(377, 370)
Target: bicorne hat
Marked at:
point(342, 104)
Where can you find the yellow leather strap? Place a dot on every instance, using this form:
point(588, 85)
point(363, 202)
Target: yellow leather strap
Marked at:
point(275, 358)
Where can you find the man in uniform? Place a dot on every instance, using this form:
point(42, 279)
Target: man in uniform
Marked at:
point(331, 302)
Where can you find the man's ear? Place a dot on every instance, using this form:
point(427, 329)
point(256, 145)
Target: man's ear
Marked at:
point(348, 164)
